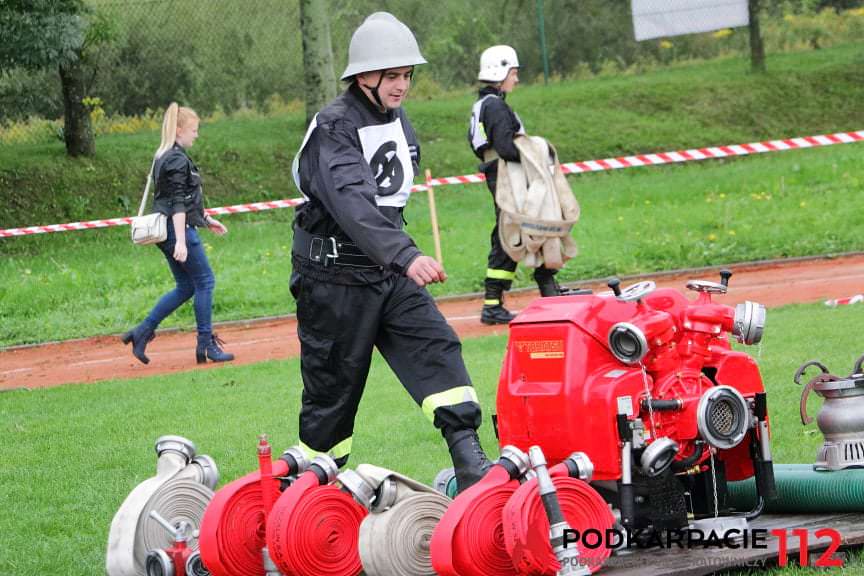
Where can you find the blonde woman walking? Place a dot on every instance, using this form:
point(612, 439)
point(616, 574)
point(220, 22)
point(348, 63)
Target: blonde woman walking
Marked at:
point(179, 196)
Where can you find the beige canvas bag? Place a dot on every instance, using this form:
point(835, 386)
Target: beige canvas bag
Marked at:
point(538, 209)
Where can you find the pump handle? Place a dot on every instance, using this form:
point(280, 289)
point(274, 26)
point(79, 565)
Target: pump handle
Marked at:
point(805, 393)
point(636, 292)
point(803, 368)
point(802, 404)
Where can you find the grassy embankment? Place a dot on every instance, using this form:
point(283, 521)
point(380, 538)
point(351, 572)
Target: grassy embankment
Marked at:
point(639, 220)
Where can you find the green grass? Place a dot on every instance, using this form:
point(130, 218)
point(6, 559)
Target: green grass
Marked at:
point(70, 455)
point(247, 158)
point(75, 284)
point(640, 220)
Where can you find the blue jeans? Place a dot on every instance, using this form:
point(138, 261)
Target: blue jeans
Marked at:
point(194, 278)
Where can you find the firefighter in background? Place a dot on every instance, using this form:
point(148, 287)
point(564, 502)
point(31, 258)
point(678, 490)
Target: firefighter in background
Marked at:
point(492, 129)
point(358, 277)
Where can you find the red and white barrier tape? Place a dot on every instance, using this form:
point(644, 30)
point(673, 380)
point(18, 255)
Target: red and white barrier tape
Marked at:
point(857, 298)
point(684, 155)
point(568, 168)
point(236, 209)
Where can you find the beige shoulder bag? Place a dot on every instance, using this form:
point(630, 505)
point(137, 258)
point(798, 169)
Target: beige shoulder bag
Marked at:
point(150, 228)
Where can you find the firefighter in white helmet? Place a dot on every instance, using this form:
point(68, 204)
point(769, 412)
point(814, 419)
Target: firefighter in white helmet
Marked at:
point(491, 131)
point(358, 278)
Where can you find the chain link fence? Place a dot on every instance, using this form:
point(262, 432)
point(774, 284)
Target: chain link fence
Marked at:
point(221, 56)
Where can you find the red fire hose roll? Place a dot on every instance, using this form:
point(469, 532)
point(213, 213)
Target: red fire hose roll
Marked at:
point(526, 526)
point(469, 540)
point(232, 530)
point(313, 530)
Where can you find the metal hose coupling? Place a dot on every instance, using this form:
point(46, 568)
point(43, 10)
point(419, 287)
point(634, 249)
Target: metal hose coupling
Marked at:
point(325, 468)
point(749, 322)
point(567, 556)
point(296, 460)
point(580, 466)
point(515, 460)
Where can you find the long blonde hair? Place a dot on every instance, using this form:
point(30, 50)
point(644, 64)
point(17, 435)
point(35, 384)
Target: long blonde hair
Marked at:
point(175, 116)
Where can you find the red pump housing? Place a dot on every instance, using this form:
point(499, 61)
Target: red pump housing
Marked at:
point(579, 366)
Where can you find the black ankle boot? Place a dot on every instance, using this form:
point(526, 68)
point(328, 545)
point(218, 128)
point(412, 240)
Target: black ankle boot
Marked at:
point(139, 336)
point(209, 346)
point(496, 314)
point(469, 460)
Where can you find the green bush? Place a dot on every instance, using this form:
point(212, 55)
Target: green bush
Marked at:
point(234, 55)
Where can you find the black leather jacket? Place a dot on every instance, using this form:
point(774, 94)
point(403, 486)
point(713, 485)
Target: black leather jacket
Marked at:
point(178, 186)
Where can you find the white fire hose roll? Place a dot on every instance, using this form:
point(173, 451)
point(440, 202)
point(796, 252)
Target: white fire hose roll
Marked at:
point(395, 538)
point(181, 490)
point(181, 499)
point(397, 541)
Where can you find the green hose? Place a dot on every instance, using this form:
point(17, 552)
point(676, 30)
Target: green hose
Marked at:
point(802, 489)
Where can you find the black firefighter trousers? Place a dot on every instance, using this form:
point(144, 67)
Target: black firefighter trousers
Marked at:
point(501, 269)
point(338, 326)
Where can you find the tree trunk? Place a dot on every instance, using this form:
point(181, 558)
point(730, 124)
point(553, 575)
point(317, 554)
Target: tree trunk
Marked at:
point(757, 49)
point(317, 55)
point(77, 131)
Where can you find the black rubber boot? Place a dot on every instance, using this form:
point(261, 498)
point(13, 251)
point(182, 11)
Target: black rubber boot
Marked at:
point(548, 286)
point(469, 460)
point(496, 315)
point(139, 336)
point(493, 310)
point(210, 347)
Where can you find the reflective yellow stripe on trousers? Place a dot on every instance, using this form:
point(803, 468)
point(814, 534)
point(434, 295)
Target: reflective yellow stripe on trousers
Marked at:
point(500, 274)
point(448, 398)
point(340, 450)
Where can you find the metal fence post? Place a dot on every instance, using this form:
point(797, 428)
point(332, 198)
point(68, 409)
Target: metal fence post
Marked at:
point(541, 29)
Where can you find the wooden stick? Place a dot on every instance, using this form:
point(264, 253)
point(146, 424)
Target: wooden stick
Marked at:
point(436, 235)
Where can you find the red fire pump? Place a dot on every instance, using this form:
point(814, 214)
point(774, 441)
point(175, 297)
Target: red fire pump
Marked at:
point(646, 383)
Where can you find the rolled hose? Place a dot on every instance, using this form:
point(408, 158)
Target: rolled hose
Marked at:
point(469, 540)
point(526, 526)
point(394, 538)
point(397, 541)
point(179, 500)
point(313, 529)
point(180, 491)
point(801, 489)
point(232, 530)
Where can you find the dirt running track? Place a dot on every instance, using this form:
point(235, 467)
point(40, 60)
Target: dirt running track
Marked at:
point(772, 283)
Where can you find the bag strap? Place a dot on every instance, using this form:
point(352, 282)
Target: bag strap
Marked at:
point(146, 189)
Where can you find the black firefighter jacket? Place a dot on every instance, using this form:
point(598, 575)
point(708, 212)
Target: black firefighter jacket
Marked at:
point(352, 198)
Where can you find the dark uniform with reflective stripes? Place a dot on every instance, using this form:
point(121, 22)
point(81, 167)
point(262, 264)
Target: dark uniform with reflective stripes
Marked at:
point(350, 255)
point(493, 127)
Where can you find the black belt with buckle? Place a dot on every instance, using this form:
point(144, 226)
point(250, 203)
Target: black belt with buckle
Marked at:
point(329, 250)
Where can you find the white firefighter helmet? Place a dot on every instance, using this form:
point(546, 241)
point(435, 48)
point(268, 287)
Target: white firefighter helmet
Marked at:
point(381, 42)
point(496, 62)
